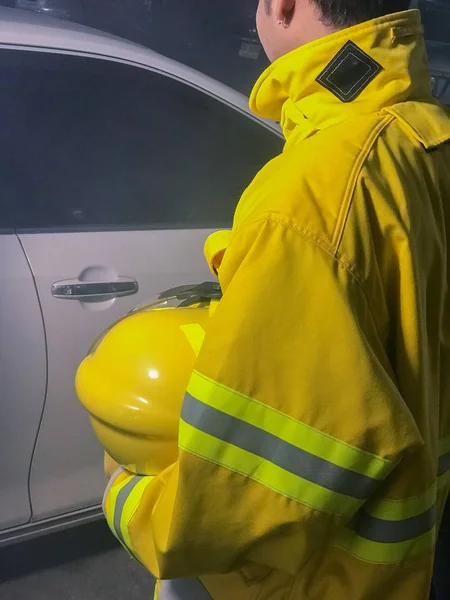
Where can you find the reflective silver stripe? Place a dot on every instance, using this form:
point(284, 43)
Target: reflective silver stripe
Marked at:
point(444, 464)
point(183, 589)
point(122, 498)
point(391, 532)
point(275, 450)
point(111, 482)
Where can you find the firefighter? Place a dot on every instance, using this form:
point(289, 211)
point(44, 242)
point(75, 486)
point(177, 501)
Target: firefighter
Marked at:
point(314, 441)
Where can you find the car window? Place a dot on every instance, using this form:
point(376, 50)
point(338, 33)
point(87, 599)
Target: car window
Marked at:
point(6, 218)
point(436, 20)
point(88, 143)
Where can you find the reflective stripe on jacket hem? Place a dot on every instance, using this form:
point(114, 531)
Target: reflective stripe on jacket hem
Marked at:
point(384, 552)
point(393, 530)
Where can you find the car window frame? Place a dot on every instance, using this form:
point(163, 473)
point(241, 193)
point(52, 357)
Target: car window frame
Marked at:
point(270, 126)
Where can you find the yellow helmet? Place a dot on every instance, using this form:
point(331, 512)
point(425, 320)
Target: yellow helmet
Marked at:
point(133, 380)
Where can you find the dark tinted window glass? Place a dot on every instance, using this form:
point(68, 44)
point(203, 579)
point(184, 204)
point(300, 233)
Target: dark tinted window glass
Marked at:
point(6, 220)
point(90, 143)
point(436, 20)
point(217, 37)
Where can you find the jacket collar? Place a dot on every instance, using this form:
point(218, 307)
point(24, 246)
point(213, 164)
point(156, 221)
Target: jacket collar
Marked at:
point(288, 91)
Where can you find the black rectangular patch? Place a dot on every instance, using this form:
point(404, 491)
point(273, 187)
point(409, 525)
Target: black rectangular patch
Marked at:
point(349, 73)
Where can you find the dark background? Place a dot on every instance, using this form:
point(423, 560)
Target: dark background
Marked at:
point(217, 37)
point(209, 35)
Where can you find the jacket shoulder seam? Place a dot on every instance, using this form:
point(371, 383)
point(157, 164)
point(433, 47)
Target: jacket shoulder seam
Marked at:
point(318, 240)
point(353, 179)
point(325, 246)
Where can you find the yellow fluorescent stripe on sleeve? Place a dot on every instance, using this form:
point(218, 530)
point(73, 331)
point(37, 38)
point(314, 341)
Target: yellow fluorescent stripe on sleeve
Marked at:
point(397, 510)
point(236, 459)
point(288, 429)
point(130, 507)
point(384, 553)
point(111, 501)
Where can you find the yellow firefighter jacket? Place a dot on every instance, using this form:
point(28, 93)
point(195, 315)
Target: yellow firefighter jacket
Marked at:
point(314, 443)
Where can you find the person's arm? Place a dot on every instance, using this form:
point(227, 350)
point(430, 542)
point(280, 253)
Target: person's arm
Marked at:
point(291, 420)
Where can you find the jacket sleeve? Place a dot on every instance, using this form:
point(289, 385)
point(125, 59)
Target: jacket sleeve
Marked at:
point(291, 420)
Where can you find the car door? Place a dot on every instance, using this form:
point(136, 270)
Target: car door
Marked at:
point(22, 372)
point(120, 174)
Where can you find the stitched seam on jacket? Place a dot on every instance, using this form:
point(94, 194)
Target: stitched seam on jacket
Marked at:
point(325, 246)
point(257, 480)
point(349, 195)
point(133, 514)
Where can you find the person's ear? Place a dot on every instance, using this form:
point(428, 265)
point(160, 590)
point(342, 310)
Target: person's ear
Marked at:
point(284, 11)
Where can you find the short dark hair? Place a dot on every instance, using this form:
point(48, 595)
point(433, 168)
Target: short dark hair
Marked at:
point(345, 13)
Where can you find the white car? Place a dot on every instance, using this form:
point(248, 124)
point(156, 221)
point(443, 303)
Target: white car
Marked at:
point(115, 165)
point(144, 20)
point(61, 9)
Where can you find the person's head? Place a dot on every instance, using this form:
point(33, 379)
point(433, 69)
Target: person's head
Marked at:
point(284, 25)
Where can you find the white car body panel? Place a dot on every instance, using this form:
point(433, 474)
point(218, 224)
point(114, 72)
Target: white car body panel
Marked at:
point(23, 366)
point(63, 464)
point(67, 468)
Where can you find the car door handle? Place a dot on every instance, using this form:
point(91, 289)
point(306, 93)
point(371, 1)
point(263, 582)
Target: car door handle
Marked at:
point(94, 290)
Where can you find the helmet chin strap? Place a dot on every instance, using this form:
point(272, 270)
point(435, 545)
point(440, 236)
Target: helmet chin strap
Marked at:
point(187, 295)
point(208, 290)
